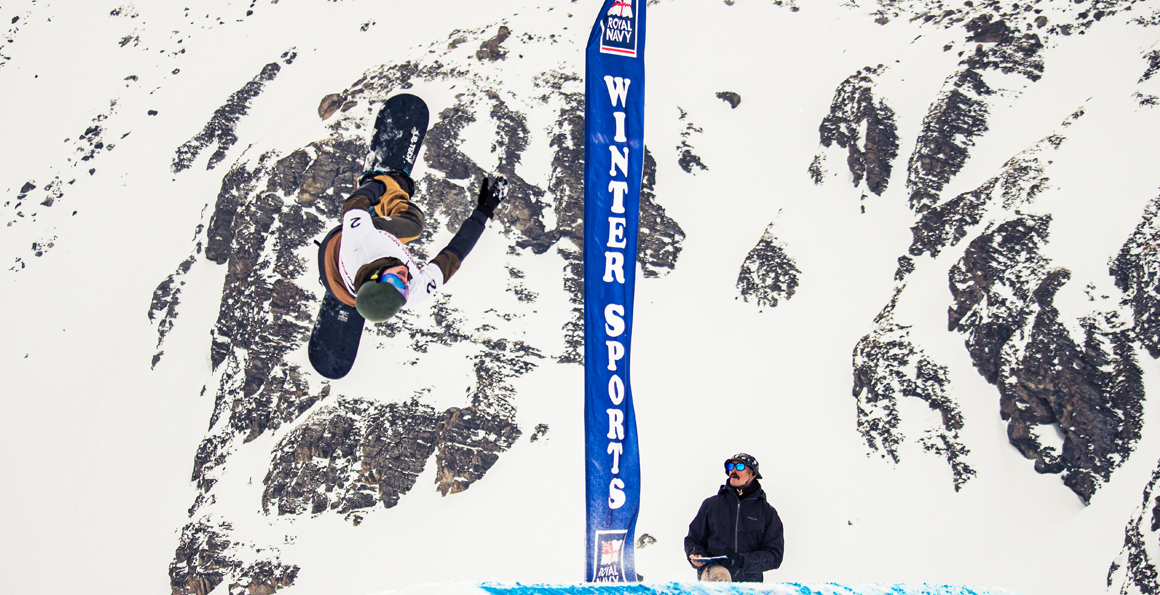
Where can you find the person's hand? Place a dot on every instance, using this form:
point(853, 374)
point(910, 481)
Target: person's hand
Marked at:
point(490, 195)
point(695, 562)
point(734, 562)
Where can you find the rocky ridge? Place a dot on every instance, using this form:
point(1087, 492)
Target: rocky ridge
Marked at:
point(346, 453)
point(853, 107)
point(1089, 387)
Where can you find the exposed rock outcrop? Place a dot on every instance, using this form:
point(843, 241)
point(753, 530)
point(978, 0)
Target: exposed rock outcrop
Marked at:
point(1022, 179)
point(1052, 382)
point(221, 129)
point(959, 115)
point(165, 299)
point(1133, 572)
point(853, 109)
point(1136, 270)
point(660, 236)
point(1090, 390)
point(206, 557)
point(350, 456)
point(685, 156)
point(768, 275)
point(888, 366)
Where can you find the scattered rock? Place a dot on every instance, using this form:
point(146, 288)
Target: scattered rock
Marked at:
point(490, 50)
point(329, 105)
point(730, 97)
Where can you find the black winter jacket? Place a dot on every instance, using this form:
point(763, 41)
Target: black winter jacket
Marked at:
point(749, 526)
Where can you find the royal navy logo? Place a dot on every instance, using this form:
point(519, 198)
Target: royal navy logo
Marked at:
point(609, 556)
point(618, 33)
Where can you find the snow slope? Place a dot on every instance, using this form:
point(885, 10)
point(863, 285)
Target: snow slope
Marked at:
point(100, 442)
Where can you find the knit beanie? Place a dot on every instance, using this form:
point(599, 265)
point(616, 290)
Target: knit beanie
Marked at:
point(377, 302)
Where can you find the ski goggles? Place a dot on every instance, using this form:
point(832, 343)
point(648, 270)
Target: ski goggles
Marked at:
point(734, 466)
point(392, 279)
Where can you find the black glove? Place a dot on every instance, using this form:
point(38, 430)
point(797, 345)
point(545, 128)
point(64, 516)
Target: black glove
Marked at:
point(491, 195)
point(734, 562)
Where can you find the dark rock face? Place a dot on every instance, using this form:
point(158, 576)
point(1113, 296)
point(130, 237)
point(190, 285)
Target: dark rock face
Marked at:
point(1051, 382)
point(960, 113)
point(472, 438)
point(853, 105)
point(1092, 393)
point(165, 299)
point(889, 366)
point(1137, 273)
point(685, 156)
point(768, 274)
point(350, 456)
point(1134, 570)
point(206, 557)
point(1153, 59)
point(660, 237)
point(221, 128)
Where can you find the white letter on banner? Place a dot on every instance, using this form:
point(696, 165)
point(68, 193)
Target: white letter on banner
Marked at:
point(613, 321)
point(616, 232)
point(618, 190)
point(615, 425)
point(613, 266)
point(620, 137)
point(615, 449)
point(616, 497)
point(616, 390)
point(617, 89)
point(615, 354)
point(618, 159)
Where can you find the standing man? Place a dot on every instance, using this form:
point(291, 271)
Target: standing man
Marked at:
point(736, 535)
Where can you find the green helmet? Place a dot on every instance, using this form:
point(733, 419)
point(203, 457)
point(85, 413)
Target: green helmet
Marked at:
point(377, 302)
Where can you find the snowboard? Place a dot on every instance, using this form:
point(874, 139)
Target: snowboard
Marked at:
point(399, 131)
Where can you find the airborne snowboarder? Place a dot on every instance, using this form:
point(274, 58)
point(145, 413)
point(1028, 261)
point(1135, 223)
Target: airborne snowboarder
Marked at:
point(367, 271)
point(364, 263)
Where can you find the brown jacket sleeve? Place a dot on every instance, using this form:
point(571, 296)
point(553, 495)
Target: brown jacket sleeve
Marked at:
point(395, 213)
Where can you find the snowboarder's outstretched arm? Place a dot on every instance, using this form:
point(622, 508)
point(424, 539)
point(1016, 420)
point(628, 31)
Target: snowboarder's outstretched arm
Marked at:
point(450, 258)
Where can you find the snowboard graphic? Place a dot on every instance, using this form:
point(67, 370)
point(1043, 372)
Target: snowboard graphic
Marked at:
point(398, 136)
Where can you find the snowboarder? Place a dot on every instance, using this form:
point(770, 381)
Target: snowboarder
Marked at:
point(736, 535)
point(363, 262)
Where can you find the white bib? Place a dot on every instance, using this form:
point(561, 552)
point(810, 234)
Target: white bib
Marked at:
point(363, 244)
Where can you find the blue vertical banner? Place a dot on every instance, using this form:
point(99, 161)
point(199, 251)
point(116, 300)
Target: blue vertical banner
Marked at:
point(613, 164)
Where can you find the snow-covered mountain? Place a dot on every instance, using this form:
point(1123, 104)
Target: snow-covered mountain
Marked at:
point(903, 252)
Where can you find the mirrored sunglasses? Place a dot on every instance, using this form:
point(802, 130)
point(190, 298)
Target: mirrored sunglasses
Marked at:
point(732, 466)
